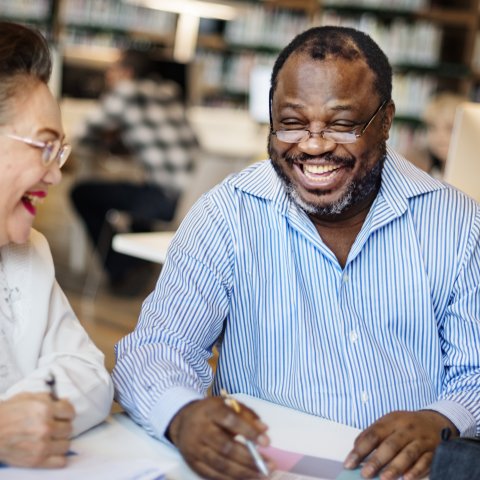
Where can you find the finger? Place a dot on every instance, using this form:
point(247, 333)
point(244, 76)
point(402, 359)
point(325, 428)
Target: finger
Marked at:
point(224, 444)
point(392, 448)
point(403, 461)
point(206, 471)
point(364, 445)
point(421, 467)
point(61, 429)
point(243, 424)
point(223, 466)
point(63, 410)
point(59, 447)
point(54, 461)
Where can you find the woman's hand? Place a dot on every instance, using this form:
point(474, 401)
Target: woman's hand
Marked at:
point(35, 430)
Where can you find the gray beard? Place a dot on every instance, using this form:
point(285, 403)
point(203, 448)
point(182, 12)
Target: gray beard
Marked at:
point(356, 191)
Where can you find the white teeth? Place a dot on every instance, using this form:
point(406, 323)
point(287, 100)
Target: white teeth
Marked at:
point(34, 200)
point(318, 169)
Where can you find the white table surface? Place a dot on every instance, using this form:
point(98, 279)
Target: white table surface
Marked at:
point(120, 437)
point(150, 246)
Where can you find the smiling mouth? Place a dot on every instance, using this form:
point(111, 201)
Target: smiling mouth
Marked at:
point(320, 172)
point(30, 202)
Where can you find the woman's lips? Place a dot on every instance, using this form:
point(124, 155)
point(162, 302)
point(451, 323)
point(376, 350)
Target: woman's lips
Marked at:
point(31, 199)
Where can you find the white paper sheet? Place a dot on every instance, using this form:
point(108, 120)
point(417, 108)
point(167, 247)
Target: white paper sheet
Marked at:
point(81, 467)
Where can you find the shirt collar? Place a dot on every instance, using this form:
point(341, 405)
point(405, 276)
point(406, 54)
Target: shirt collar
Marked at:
point(401, 180)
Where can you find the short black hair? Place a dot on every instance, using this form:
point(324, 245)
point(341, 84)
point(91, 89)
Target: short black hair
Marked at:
point(341, 42)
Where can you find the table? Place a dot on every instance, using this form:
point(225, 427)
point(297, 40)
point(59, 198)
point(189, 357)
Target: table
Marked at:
point(289, 429)
point(150, 246)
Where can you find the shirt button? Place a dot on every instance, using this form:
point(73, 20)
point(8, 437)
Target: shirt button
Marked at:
point(345, 277)
point(353, 336)
point(364, 397)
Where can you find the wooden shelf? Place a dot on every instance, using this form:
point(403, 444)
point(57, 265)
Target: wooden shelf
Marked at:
point(449, 17)
point(212, 42)
point(88, 55)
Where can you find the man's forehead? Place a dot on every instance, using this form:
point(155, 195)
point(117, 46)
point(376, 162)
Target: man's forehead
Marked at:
point(333, 73)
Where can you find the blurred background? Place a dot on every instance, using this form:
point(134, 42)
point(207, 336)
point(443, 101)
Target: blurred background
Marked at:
point(220, 54)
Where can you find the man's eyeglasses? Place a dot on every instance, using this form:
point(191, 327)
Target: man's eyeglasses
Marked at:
point(298, 136)
point(52, 150)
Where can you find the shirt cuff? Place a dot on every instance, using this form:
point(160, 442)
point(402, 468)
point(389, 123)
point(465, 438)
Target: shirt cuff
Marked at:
point(457, 414)
point(167, 406)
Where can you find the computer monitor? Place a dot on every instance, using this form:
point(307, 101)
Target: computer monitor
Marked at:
point(462, 169)
point(258, 99)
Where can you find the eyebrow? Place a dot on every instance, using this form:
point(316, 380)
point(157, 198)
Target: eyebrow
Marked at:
point(52, 131)
point(337, 108)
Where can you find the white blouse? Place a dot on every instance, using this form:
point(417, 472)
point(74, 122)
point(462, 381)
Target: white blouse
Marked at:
point(41, 336)
point(9, 370)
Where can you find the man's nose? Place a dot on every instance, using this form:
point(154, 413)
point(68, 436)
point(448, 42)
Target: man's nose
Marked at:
point(315, 144)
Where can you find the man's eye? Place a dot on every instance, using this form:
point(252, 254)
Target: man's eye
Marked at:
point(341, 127)
point(292, 126)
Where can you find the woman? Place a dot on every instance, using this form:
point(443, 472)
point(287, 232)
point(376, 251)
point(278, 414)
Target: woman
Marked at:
point(431, 152)
point(44, 351)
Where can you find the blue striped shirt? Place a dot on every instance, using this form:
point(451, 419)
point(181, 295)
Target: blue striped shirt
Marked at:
point(398, 328)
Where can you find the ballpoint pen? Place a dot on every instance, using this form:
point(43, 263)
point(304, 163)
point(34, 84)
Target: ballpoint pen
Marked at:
point(257, 458)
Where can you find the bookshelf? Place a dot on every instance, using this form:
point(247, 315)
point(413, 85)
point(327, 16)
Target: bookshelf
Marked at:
point(429, 43)
point(432, 44)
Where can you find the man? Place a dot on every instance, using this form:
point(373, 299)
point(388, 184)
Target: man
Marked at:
point(145, 117)
point(337, 278)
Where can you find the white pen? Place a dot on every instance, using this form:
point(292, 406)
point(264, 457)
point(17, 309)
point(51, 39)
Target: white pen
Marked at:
point(257, 458)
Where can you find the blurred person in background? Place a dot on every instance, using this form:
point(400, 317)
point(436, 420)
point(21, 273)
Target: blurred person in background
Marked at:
point(44, 351)
point(143, 115)
point(438, 116)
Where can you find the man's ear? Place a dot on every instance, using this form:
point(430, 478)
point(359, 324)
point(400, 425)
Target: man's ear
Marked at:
point(387, 119)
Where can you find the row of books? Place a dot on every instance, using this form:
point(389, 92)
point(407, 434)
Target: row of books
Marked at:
point(416, 42)
point(25, 9)
point(117, 15)
point(410, 90)
point(230, 73)
point(404, 137)
point(404, 42)
point(380, 4)
point(411, 93)
point(257, 26)
point(81, 38)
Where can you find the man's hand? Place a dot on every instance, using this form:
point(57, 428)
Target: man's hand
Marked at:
point(35, 431)
point(204, 433)
point(399, 444)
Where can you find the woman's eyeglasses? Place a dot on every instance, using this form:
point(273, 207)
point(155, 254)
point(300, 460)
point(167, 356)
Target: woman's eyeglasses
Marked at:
point(52, 150)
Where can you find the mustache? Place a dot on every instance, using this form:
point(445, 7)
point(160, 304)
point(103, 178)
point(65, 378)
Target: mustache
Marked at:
point(328, 157)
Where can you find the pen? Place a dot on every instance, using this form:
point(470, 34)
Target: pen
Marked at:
point(257, 458)
point(51, 383)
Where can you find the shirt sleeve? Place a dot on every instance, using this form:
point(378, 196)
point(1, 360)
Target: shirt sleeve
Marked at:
point(163, 364)
point(460, 336)
point(64, 350)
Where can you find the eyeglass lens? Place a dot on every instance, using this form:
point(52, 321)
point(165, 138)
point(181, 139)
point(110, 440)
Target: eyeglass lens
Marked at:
point(55, 151)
